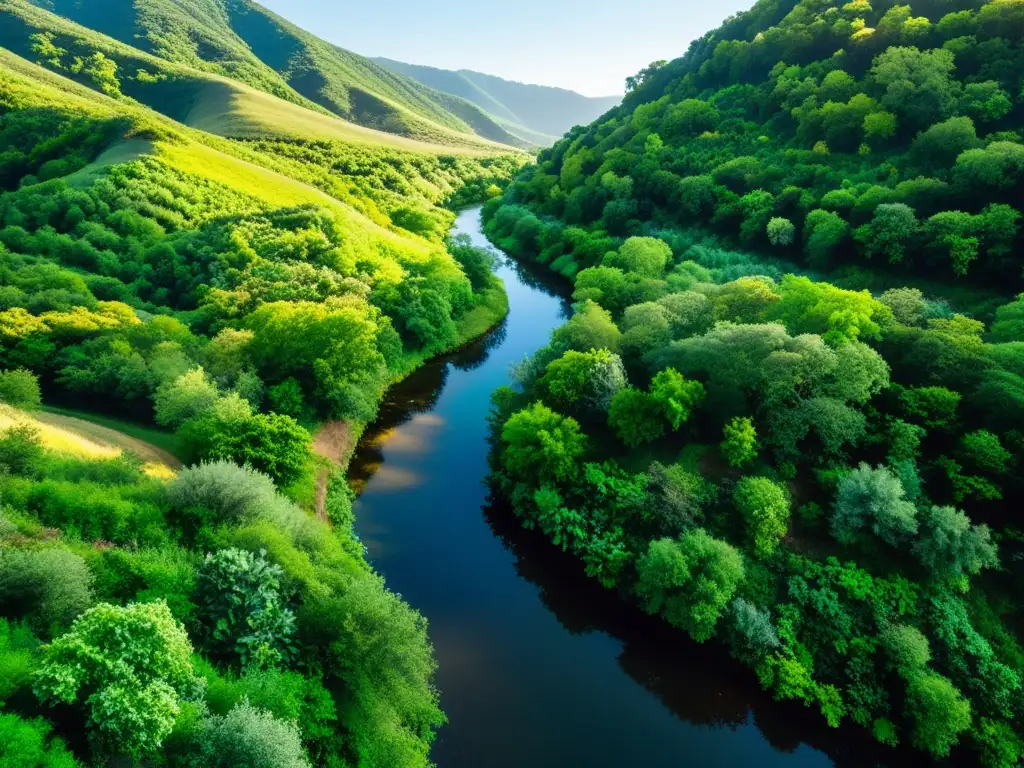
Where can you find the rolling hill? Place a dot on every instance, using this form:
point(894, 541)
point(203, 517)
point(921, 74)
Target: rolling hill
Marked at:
point(245, 42)
point(213, 102)
point(541, 114)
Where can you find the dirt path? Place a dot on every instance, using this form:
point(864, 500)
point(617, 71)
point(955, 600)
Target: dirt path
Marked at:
point(104, 435)
point(335, 442)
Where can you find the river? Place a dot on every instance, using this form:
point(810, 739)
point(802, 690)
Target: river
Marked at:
point(540, 666)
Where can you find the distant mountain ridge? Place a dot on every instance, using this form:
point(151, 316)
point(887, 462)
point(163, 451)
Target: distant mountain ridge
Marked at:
point(242, 40)
point(545, 112)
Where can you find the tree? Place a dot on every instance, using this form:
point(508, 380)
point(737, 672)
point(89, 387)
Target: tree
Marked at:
point(584, 381)
point(645, 256)
point(939, 711)
point(676, 395)
point(907, 649)
point(128, 667)
point(192, 394)
point(764, 506)
point(241, 608)
point(542, 445)
point(20, 388)
point(1009, 322)
point(689, 581)
point(42, 45)
point(950, 547)
point(824, 233)
point(780, 231)
point(271, 443)
point(676, 499)
point(100, 71)
point(918, 86)
point(590, 327)
point(21, 450)
point(872, 499)
point(740, 444)
point(636, 417)
point(893, 227)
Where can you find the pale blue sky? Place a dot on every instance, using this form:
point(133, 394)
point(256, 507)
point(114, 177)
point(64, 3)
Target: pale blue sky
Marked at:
point(590, 46)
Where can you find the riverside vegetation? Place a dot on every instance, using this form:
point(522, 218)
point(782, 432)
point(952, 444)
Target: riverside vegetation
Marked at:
point(234, 292)
point(787, 414)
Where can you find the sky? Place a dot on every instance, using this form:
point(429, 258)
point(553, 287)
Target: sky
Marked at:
point(589, 46)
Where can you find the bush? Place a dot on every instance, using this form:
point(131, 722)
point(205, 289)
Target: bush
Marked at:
point(250, 737)
point(241, 609)
point(21, 452)
point(219, 492)
point(28, 744)
point(939, 711)
point(20, 388)
point(49, 587)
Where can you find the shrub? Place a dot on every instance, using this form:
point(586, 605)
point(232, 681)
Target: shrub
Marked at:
point(20, 388)
point(241, 610)
point(50, 587)
point(251, 737)
point(219, 492)
point(872, 499)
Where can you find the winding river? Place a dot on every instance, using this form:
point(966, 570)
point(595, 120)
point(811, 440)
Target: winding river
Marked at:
point(540, 666)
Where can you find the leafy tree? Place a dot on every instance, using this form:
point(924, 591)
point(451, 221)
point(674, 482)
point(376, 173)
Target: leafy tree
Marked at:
point(985, 452)
point(676, 499)
point(689, 581)
point(893, 227)
point(780, 231)
point(752, 636)
point(287, 398)
point(916, 85)
point(676, 395)
point(646, 256)
point(128, 667)
point(939, 711)
point(824, 233)
point(20, 388)
point(636, 416)
point(192, 394)
point(584, 381)
point(950, 547)
point(241, 609)
point(740, 444)
point(271, 443)
point(764, 506)
point(542, 444)
point(590, 327)
point(907, 649)
point(873, 499)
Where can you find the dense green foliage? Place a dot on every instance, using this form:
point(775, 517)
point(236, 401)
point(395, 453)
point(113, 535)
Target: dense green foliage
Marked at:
point(236, 293)
point(830, 135)
point(830, 489)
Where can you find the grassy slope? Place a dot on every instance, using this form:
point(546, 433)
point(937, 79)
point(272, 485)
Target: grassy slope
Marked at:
point(212, 102)
point(534, 111)
point(245, 42)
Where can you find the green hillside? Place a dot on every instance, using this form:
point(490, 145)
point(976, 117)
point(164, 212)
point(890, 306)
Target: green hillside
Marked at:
point(788, 412)
point(242, 40)
point(540, 114)
point(223, 296)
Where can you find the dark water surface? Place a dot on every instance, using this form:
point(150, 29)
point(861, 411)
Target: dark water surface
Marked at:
point(539, 666)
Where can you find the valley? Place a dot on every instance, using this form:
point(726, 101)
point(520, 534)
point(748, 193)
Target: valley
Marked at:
point(369, 414)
